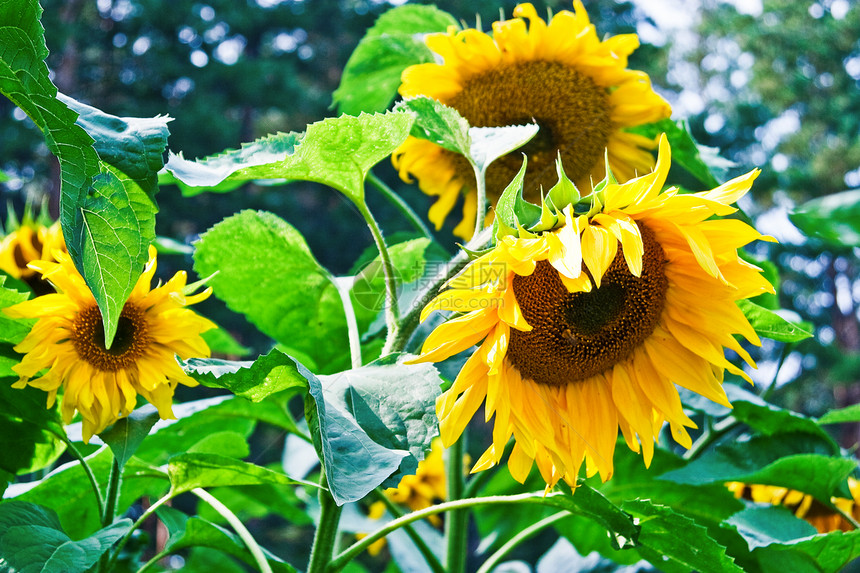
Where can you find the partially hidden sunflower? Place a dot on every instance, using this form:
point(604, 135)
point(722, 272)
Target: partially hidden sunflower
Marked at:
point(585, 327)
point(803, 505)
point(421, 490)
point(31, 241)
point(66, 347)
point(559, 74)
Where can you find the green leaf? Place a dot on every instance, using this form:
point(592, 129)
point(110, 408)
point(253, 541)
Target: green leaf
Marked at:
point(763, 526)
point(267, 272)
point(109, 259)
point(31, 539)
point(188, 531)
point(118, 226)
point(133, 145)
point(842, 415)
point(673, 542)
point(227, 170)
point(67, 491)
point(771, 325)
point(835, 219)
point(490, 143)
point(770, 420)
point(368, 425)
point(257, 380)
point(371, 76)
point(438, 124)
point(337, 152)
point(796, 461)
point(126, 435)
point(12, 330)
point(190, 471)
point(828, 553)
point(196, 422)
point(220, 341)
point(698, 160)
point(28, 429)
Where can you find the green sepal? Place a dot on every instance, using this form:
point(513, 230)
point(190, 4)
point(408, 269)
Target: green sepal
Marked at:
point(564, 192)
point(513, 213)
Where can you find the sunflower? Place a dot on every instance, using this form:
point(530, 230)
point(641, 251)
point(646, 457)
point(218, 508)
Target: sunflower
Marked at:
point(585, 327)
point(103, 384)
point(558, 74)
point(419, 491)
point(804, 506)
point(30, 242)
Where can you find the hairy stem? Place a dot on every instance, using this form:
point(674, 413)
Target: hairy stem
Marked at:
point(392, 311)
point(419, 542)
point(400, 204)
point(457, 521)
point(76, 453)
point(326, 534)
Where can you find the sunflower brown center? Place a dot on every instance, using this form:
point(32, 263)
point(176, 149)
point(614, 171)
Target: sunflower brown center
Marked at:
point(577, 335)
point(572, 111)
point(129, 343)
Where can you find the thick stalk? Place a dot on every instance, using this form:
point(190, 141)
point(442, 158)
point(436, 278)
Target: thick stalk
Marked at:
point(523, 535)
point(392, 311)
point(238, 527)
point(109, 512)
point(351, 552)
point(456, 522)
point(135, 526)
point(423, 548)
point(112, 494)
point(399, 204)
point(326, 534)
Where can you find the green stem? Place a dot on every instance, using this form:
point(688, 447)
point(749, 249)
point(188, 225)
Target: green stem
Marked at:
point(481, 211)
point(238, 527)
point(526, 533)
point(158, 557)
point(456, 522)
point(419, 542)
point(351, 324)
point(112, 493)
point(135, 526)
point(718, 430)
point(392, 311)
point(76, 453)
point(351, 552)
point(769, 391)
point(400, 204)
point(326, 534)
point(410, 321)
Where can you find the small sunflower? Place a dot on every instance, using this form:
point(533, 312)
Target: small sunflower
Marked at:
point(100, 383)
point(419, 491)
point(559, 74)
point(586, 327)
point(804, 505)
point(30, 242)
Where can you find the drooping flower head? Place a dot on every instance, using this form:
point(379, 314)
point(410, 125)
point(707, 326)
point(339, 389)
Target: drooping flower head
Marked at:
point(585, 327)
point(557, 73)
point(803, 505)
point(103, 383)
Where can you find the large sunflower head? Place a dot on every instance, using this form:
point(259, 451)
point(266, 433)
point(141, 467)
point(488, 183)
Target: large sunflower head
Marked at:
point(586, 327)
point(557, 73)
point(102, 383)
